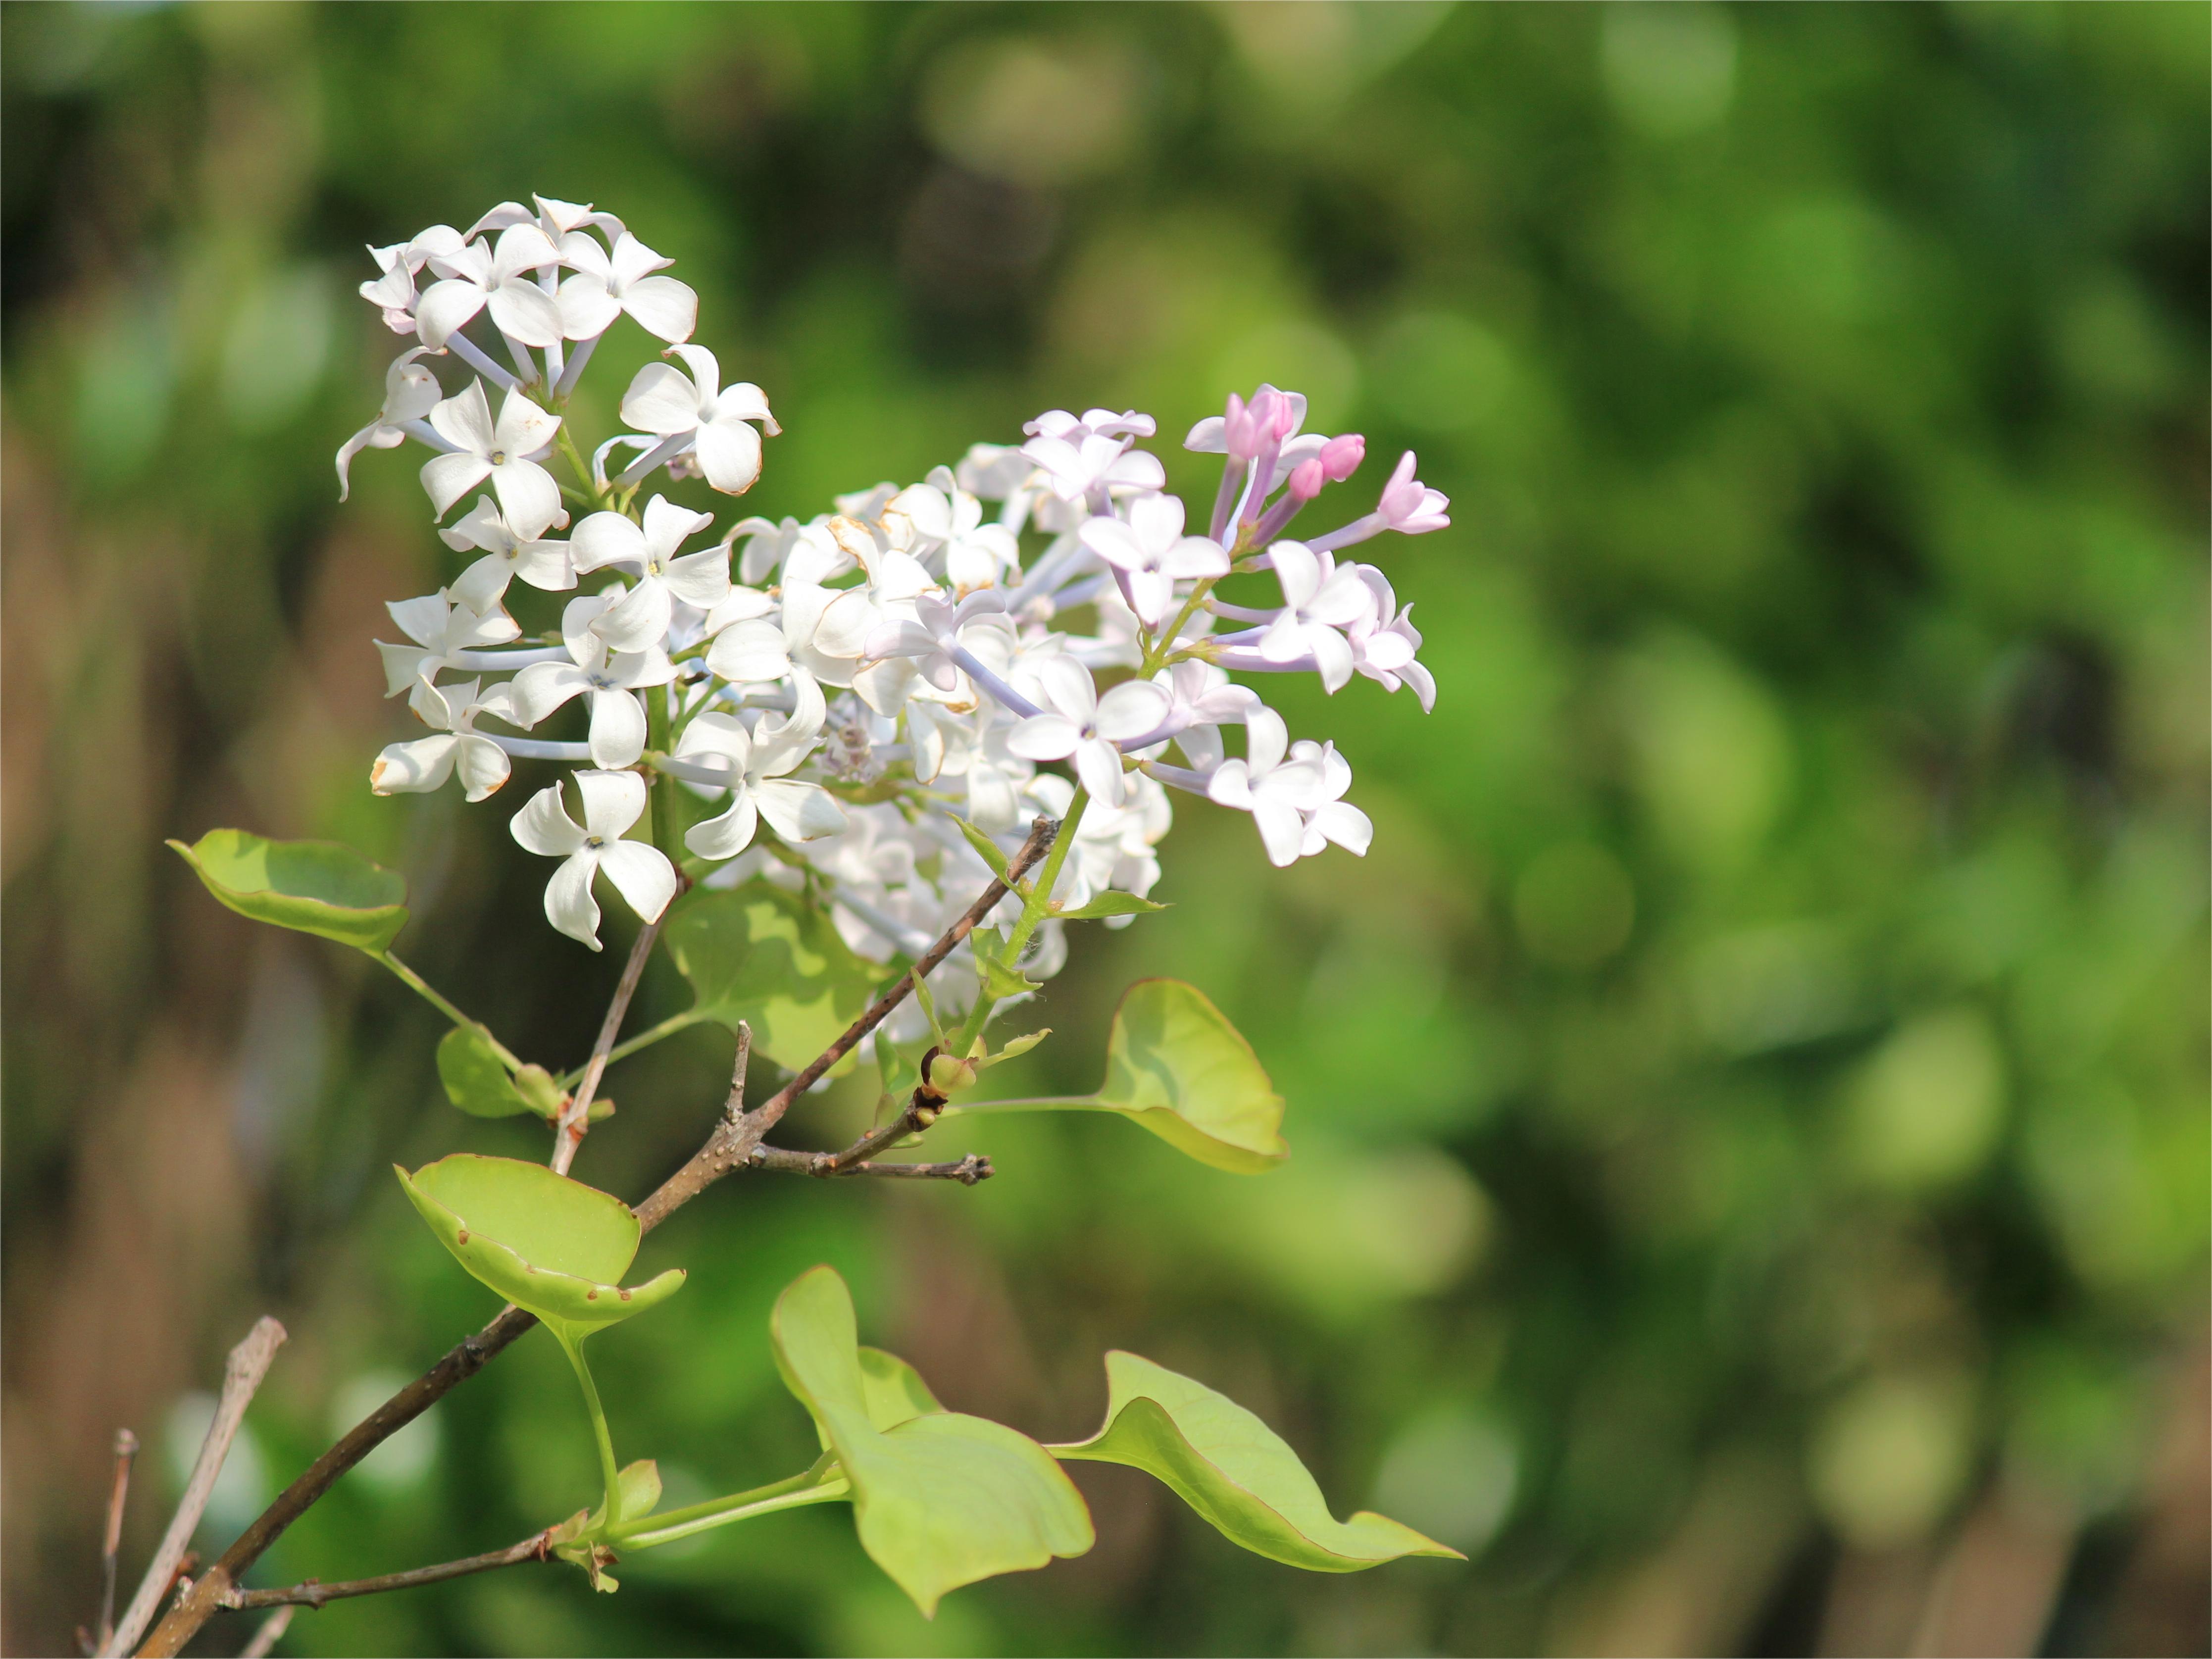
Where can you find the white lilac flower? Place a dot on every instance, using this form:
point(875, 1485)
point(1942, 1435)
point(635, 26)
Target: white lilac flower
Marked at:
point(608, 679)
point(932, 638)
point(755, 763)
point(1319, 599)
point(554, 217)
point(1152, 554)
point(673, 404)
point(642, 873)
point(1083, 727)
point(1202, 699)
point(1383, 643)
point(410, 392)
point(441, 630)
point(497, 278)
point(1278, 792)
point(425, 763)
point(506, 453)
point(543, 564)
point(941, 515)
point(1093, 463)
point(697, 578)
point(608, 283)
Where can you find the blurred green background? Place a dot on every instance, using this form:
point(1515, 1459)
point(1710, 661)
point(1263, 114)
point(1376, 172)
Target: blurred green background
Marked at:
point(1749, 1111)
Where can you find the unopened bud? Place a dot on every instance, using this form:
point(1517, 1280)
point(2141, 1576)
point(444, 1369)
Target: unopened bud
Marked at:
point(1241, 427)
point(1341, 457)
point(1307, 478)
point(948, 1076)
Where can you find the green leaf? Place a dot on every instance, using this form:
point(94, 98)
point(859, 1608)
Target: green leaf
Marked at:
point(312, 886)
point(759, 954)
point(1110, 904)
point(1236, 1472)
point(1000, 979)
point(640, 1494)
point(1176, 1066)
point(474, 1078)
point(548, 1244)
point(986, 848)
point(940, 1500)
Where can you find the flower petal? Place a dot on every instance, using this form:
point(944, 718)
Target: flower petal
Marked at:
point(569, 903)
point(618, 729)
point(639, 620)
point(612, 802)
point(529, 496)
point(798, 811)
point(662, 306)
point(443, 309)
point(641, 874)
point(449, 477)
point(414, 767)
point(730, 455)
point(543, 826)
point(700, 579)
point(661, 400)
point(729, 834)
point(1130, 709)
point(1044, 737)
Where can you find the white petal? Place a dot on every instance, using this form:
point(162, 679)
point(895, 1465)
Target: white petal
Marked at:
point(798, 811)
point(524, 312)
point(1344, 824)
point(618, 729)
point(449, 477)
point(1195, 556)
point(544, 565)
point(524, 428)
point(423, 620)
point(1266, 740)
point(1115, 543)
point(845, 627)
point(661, 400)
point(1130, 709)
point(1282, 832)
point(1332, 654)
point(612, 802)
point(730, 455)
point(700, 579)
point(602, 539)
point(543, 826)
point(1043, 738)
point(530, 498)
point(402, 665)
point(641, 874)
point(587, 310)
point(1298, 567)
point(1067, 687)
point(639, 620)
point(483, 766)
point(414, 767)
point(729, 835)
point(442, 310)
point(1285, 639)
point(1230, 786)
point(662, 306)
point(484, 584)
point(1098, 764)
point(748, 653)
point(1151, 593)
point(569, 903)
point(717, 738)
point(1158, 520)
point(542, 687)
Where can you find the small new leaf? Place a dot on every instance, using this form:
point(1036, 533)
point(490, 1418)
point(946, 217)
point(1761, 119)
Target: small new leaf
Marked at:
point(986, 848)
point(940, 1500)
point(476, 1081)
point(311, 886)
point(550, 1245)
point(1236, 1472)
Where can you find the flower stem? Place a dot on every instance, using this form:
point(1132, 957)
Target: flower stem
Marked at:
point(644, 1039)
point(808, 1487)
point(421, 986)
point(1036, 906)
point(574, 1347)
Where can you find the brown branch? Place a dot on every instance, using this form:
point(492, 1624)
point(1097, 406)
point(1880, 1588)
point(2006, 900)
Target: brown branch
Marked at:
point(242, 1374)
point(315, 1594)
point(968, 1171)
point(271, 1632)
point(729, 1147)
point(126, 1449)
point(575, 1117)
point(733, 1109)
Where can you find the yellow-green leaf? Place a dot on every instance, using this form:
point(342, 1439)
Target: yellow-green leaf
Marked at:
point(474, 1078)
point(312, 886)
point(1236, 1472)
point(550, 1245)
point(758, 954)
point(941, 1498)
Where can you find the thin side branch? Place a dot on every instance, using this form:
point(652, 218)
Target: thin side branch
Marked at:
point(242, 1374)
point(576, 1116)
point(315, 1594)
point(733, 1109)
point(729, 1147)
point(110, 1544)
point(271, 1633)
point(968, 1171)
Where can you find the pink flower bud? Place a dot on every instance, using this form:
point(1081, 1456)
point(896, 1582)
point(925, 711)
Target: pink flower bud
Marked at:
point(1244, 427)
point(1341, 457)
point(1307, 478)
point(1410, 505)
point(1287, 414)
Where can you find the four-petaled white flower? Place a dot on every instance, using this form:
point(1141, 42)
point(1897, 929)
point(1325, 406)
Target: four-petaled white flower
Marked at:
point(1085, 727)
point(498, 278)
point(938, 514)
point(1276, 792)
point(503, 453)
point(1202, 700)
point(441, 630)
point(698, 578)
point(1095, 461)
point(611, 679)
point(606, 285)
point(410, 392)
point(932, 634)
point(668, 402)
point(1383, 643)
point(425, 763)
point(1331, 818)
point(543, 564)
point(1152, 554)
point(1319, 599)
point(642, 873)
point(755, 764)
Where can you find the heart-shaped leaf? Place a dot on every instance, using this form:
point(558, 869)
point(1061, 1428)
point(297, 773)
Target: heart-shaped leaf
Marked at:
point(312, 886)
point(758, 954)
point(1235, 1471)
point(548, 1244)
point(941, 1498)
point(1176, 1066)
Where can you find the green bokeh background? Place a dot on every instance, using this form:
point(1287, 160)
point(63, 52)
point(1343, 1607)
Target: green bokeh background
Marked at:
point(1749, 1109)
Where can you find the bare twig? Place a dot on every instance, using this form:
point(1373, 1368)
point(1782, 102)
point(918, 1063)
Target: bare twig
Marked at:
point(729, 1147)
point(271, 1633)
point(241, 1376)
point(313, 1594)
point(733, 1109)
point(968, 1171)
point(126, 1449)
point(576, 1116)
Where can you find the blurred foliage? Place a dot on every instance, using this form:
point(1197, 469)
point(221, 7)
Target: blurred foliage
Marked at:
point(1748, 1114)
